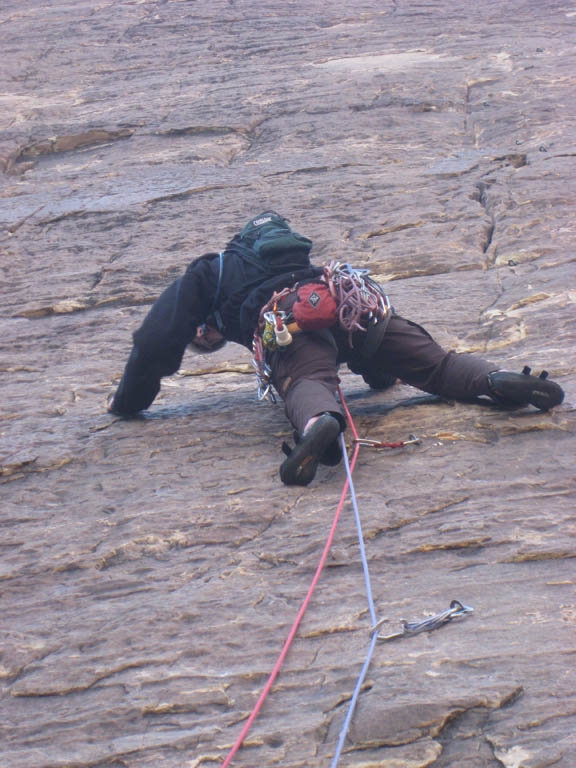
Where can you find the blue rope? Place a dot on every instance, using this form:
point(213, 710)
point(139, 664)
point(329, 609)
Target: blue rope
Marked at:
point(360, 534)
point(356, 694)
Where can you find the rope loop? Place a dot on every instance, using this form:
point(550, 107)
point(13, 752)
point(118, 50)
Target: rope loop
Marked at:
point(361, 300)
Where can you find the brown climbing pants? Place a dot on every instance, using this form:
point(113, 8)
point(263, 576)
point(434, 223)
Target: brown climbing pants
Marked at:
point(305, 373)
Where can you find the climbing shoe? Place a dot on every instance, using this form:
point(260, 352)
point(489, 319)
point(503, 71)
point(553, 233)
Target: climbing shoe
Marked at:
point(331, 456)
point(383, 381)
point(518, 389)
point(315, 445)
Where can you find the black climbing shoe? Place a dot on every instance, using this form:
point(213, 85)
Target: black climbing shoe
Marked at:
point(518, 389)
point(300, 466)
point(331, 457)
point(383, 381)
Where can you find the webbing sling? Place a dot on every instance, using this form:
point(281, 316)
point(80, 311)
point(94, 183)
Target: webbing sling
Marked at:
point(214, 311)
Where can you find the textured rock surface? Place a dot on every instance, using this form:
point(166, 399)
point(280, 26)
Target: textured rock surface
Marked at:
point(151, 569)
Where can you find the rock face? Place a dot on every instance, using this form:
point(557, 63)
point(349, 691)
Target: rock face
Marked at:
point(152, 569)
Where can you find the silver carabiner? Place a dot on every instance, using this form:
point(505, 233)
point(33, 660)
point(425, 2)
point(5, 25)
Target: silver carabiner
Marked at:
point(456, 610)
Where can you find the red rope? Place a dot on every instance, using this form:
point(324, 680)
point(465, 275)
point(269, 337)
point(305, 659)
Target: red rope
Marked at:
point(349, 419)
point(276, 670)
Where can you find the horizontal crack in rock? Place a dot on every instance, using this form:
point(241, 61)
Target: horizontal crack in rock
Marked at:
point(531, 557)
point(29, 690)
point(389, 230)
point(221, 368)
point(68, 306)
point(380, 725)
point(202, 130)
point(10, 473)
point(467, 544)
point(66, 143)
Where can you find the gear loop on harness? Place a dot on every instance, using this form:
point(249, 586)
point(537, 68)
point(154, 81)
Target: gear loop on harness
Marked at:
point(262, 370)
point(270, 334)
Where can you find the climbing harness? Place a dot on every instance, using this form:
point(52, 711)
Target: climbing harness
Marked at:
point(361, 305)
point(409, 628)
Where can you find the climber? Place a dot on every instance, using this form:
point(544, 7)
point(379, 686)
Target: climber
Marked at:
point(263, 288)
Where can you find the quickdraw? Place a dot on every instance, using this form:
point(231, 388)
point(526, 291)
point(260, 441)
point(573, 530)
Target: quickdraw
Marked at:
point(270, 335)
point(412, 440)
point(409, 628)
point(262, 370)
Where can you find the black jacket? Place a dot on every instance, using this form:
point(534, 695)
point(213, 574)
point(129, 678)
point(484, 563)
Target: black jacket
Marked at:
point(159, 344)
